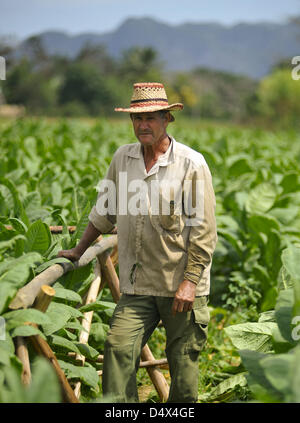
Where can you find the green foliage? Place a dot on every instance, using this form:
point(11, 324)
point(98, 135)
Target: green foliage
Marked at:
point(49, 173)
point(84, 84)
point(271, 354)
point(278, 98)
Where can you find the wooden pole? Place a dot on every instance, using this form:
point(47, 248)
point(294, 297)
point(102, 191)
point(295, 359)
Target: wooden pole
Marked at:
point(44, 298)
point(42, 347)
point(110, 276)
point(22, 354)
point(157, 378)
point(151, 363)
point(26, 295)
point(87, 319)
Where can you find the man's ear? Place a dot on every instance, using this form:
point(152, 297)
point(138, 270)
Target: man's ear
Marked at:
point(168, 117)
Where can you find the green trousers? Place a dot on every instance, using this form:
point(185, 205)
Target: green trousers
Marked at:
point(134, 319)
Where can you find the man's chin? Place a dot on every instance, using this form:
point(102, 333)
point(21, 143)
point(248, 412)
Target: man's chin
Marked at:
point(145, 139)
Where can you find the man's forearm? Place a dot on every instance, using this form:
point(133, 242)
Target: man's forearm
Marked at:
point(89, 236)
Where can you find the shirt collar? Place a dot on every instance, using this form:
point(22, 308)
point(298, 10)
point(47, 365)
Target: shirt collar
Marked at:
point(168, 157)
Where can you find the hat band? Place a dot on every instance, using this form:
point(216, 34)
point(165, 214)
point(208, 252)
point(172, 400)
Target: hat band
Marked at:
point(150, 100)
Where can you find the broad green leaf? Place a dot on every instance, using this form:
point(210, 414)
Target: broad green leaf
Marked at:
point(87, 351)
point(49, 263)
point(284, 313)
point(39, 391)
point(18, 225)
point(67, 294)
point(277, 370)
point(225, 390)
point(18, 206)
point(6, 245)
point(27, 315)
point(285, 215)
point(267, 316)
point(261, 198)
point(291, 261)
point(252, 336)
point(290, 182)
point(232, 239)
point(262, 223)
point(87, 374)
point(98, 305)
point(81, 225)
point(58, 314)
point(238, 167)
point(64, 343)
point(26, 330)
point(7, 292)
point(260, 386)
point(98, 332)
point(38, 237)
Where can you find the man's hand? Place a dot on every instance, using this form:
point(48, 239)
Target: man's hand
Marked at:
point(89, 235)
point(71, 254)
point(184, 297)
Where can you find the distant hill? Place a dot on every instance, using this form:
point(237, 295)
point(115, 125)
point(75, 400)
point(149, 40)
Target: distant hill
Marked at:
point(249, 49)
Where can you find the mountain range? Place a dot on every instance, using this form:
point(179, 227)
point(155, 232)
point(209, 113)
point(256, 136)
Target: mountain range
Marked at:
point(249, 49)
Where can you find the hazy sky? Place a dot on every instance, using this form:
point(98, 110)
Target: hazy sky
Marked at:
point(22, 18)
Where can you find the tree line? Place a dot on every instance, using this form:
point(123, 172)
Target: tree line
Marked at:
point(93, 83)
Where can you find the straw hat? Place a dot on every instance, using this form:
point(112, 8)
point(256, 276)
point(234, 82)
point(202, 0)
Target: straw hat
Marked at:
point(149, 97)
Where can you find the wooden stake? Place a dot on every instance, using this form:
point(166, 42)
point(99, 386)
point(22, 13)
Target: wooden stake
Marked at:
point(87, 319)
point(44, 298)
point(22, 354)
point(43, 348)
point(161, 362)
point(110, 276)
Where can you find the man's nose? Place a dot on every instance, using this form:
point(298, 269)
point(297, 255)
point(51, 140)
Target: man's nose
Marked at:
point(143, 124)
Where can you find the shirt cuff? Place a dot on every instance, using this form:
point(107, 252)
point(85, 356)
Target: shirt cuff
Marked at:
point(194, 274)
point(102, 223)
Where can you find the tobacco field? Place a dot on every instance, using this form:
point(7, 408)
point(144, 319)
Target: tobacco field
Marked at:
point(48, 176)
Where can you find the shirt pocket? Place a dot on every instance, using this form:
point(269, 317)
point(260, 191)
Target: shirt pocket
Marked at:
point(197, 337)
point(201, 312)
point(168, 219)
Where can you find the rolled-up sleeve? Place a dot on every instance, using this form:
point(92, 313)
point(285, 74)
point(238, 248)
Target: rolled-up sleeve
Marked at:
point(203, 232)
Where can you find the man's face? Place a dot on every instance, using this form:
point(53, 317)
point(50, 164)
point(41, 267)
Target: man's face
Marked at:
point(149, 128)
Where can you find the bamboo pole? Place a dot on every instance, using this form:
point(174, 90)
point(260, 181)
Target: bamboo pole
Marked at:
point(158, 379)
point(22, 354)
point(26, 295)
point(87, 319)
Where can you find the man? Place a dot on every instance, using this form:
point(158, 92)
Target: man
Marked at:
point(159, 193)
